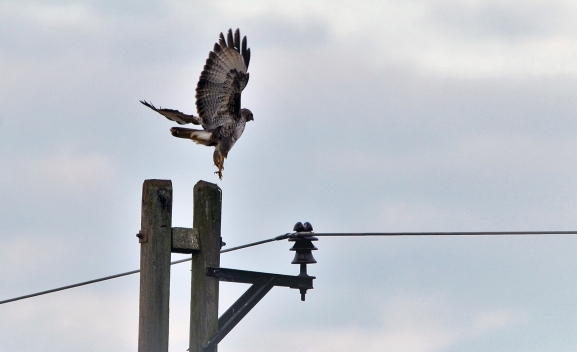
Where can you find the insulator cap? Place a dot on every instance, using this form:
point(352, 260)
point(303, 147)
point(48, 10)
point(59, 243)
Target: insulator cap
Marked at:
point(303, 245)
point(300, 227)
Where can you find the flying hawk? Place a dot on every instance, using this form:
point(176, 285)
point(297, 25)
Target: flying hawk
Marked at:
point(217, 99)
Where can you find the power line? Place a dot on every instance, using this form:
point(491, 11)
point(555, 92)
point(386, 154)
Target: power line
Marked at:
point(126, 273)
point(306, 234)
point(277, 238)
point(83, 283)
point(69, 286)
point(393, 234)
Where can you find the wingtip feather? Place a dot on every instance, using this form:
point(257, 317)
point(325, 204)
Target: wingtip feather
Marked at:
point(221, 40)
point(230, 39)
point(237, 40)
point(145, 103)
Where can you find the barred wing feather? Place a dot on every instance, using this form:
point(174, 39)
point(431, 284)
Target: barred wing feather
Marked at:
point(222, 80)
point(174, 115)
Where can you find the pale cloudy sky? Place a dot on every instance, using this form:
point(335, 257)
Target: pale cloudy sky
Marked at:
point(369, 116)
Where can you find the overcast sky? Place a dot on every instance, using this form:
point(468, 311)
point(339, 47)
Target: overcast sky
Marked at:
point(374, 116)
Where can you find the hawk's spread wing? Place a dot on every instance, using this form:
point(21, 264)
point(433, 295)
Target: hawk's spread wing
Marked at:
point(174, 115)
point(222, 80)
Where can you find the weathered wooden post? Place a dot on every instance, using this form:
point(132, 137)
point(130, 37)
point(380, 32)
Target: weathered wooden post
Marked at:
point(155, 239)
point(204, 289)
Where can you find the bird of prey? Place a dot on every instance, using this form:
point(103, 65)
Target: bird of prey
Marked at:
point(217, 99)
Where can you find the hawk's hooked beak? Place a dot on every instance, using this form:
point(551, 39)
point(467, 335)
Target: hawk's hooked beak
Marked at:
point(246, 115)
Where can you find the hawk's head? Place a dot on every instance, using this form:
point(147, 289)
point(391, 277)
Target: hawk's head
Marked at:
point(246, 114)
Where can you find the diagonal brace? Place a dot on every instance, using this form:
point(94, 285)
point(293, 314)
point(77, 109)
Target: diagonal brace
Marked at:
point(238, 310)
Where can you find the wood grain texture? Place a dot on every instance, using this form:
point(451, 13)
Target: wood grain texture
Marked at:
point(204, 289)
point(155, 266)
point(184, 240)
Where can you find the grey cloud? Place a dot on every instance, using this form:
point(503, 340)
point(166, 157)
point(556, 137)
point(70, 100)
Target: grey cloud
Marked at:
point(497, 19)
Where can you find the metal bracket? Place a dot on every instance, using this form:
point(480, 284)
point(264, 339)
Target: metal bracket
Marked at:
point(262, 283)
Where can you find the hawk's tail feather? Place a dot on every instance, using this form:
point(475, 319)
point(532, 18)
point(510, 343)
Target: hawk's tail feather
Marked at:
point(199, 136)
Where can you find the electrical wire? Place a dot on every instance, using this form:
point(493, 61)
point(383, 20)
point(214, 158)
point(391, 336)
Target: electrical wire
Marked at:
point(129, 273)
point(69, 286)
point(392, 234)
point(83, 283)
point(308, 234)
point(277, 238)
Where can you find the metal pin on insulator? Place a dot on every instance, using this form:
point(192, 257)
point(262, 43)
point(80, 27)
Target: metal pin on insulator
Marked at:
point(303, 247)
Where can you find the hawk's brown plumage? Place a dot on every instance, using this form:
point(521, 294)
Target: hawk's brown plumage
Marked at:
point(217, 99)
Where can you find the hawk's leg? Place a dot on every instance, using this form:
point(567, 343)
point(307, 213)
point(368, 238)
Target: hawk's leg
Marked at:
point(219, 162)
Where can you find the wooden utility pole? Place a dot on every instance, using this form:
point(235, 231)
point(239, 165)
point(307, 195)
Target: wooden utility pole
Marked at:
point(204, 289)
point(155, 239)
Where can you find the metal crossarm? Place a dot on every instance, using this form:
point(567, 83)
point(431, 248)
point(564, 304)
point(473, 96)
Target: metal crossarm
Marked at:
point(262, 283)
point(255, 277)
